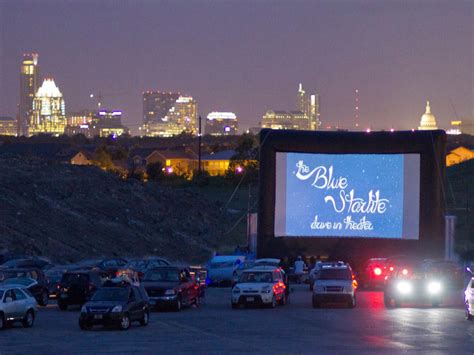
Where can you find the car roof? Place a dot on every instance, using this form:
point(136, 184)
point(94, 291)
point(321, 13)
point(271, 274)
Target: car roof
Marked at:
point(163, 267)
point(267, 260)
point(7, 287)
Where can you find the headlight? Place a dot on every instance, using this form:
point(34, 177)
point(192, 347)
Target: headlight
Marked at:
point(84, 309)
point(117, 309)
point(266, 289)
point(434, 287)
point(404, 287)
point(236, 290)
point(170, 292)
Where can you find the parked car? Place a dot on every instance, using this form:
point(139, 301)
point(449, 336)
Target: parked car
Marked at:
point(316, 269)
point(115, 306)
point(16, 305)
point(469, 297)
point(221, 268)
point(76, 287)
point(35, 262)
point(334, 284)
point(261, 286)
point(106, 266)
point(244, 265)
point(413, 284)
point(40, 290)
point(54, 276)
point(171, 286)
point(142, 265)
point(373, 272)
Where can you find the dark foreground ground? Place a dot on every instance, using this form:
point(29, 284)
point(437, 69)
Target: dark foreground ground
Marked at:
point(292, 329)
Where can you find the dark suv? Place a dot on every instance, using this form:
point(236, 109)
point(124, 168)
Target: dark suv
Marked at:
point(76, 287)
point(115, 306)
point(40, 290)
point(171, 286)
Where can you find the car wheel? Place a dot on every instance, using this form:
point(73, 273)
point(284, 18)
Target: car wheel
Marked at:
point(29, 319)
point(146, 318)
point(44, 299)
point(178, 305)
point(84, 325)
point(469, 316)
point(62, 306)
point(197, 301)
point(124, 322)
point(315, 303)
point(3, 323)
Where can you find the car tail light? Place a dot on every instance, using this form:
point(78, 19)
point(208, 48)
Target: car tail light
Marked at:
point(391, 268)
point(354, 283)
point(377, 271)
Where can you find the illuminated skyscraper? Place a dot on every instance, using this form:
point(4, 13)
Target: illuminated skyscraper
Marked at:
point(313, 112)
point(221, 124)
point(167, 114)
point(29, 81)
point(156, 105)
point(48, 114)
point(302, 100)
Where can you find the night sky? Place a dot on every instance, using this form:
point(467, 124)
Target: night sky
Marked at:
point(249, 56)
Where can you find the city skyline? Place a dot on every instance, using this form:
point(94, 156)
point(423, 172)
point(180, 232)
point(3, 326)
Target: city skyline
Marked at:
point(242, 67)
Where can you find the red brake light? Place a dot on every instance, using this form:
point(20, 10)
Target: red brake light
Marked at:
point(405, 272)
point(378, 271)
point(391, 268)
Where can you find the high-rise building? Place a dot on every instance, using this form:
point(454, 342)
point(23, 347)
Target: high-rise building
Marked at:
point(167, 114)
point(221, 124)
point(428, 120)
point(313, 112)
point(156, 105)
point(80, 118)
point(285, 120)
point(107, 123)
point(49, 112)
point(182, 117)
point(306, 117)
point(8, 126)
point(302, 100)
point(29, 82)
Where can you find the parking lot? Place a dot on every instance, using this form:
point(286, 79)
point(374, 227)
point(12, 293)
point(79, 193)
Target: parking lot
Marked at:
point(294, 328)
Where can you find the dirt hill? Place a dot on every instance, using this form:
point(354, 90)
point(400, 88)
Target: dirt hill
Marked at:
point(68, 212)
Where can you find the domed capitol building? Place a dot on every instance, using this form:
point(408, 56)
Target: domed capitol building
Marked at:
point(428, 120)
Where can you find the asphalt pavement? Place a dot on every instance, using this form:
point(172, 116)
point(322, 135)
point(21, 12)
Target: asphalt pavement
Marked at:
point(292, 329)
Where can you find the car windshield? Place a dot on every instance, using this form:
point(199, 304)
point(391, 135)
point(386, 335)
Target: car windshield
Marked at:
point(111, 294)
point(222, 264)
point(19, 281)
point(171, 275)
point(335, 274)
point(256, 277)
point(75, 278)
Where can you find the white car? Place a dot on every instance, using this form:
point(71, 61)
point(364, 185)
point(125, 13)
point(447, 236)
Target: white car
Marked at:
point(16, 305)
point(469, 300)
point(334, 284)
point(262, 286)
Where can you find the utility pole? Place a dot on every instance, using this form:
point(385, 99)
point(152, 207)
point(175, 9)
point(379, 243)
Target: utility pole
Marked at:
point(199, 148)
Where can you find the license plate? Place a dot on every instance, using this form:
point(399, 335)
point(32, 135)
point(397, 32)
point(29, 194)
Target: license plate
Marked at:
point(97, 316)
point(250, 299)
